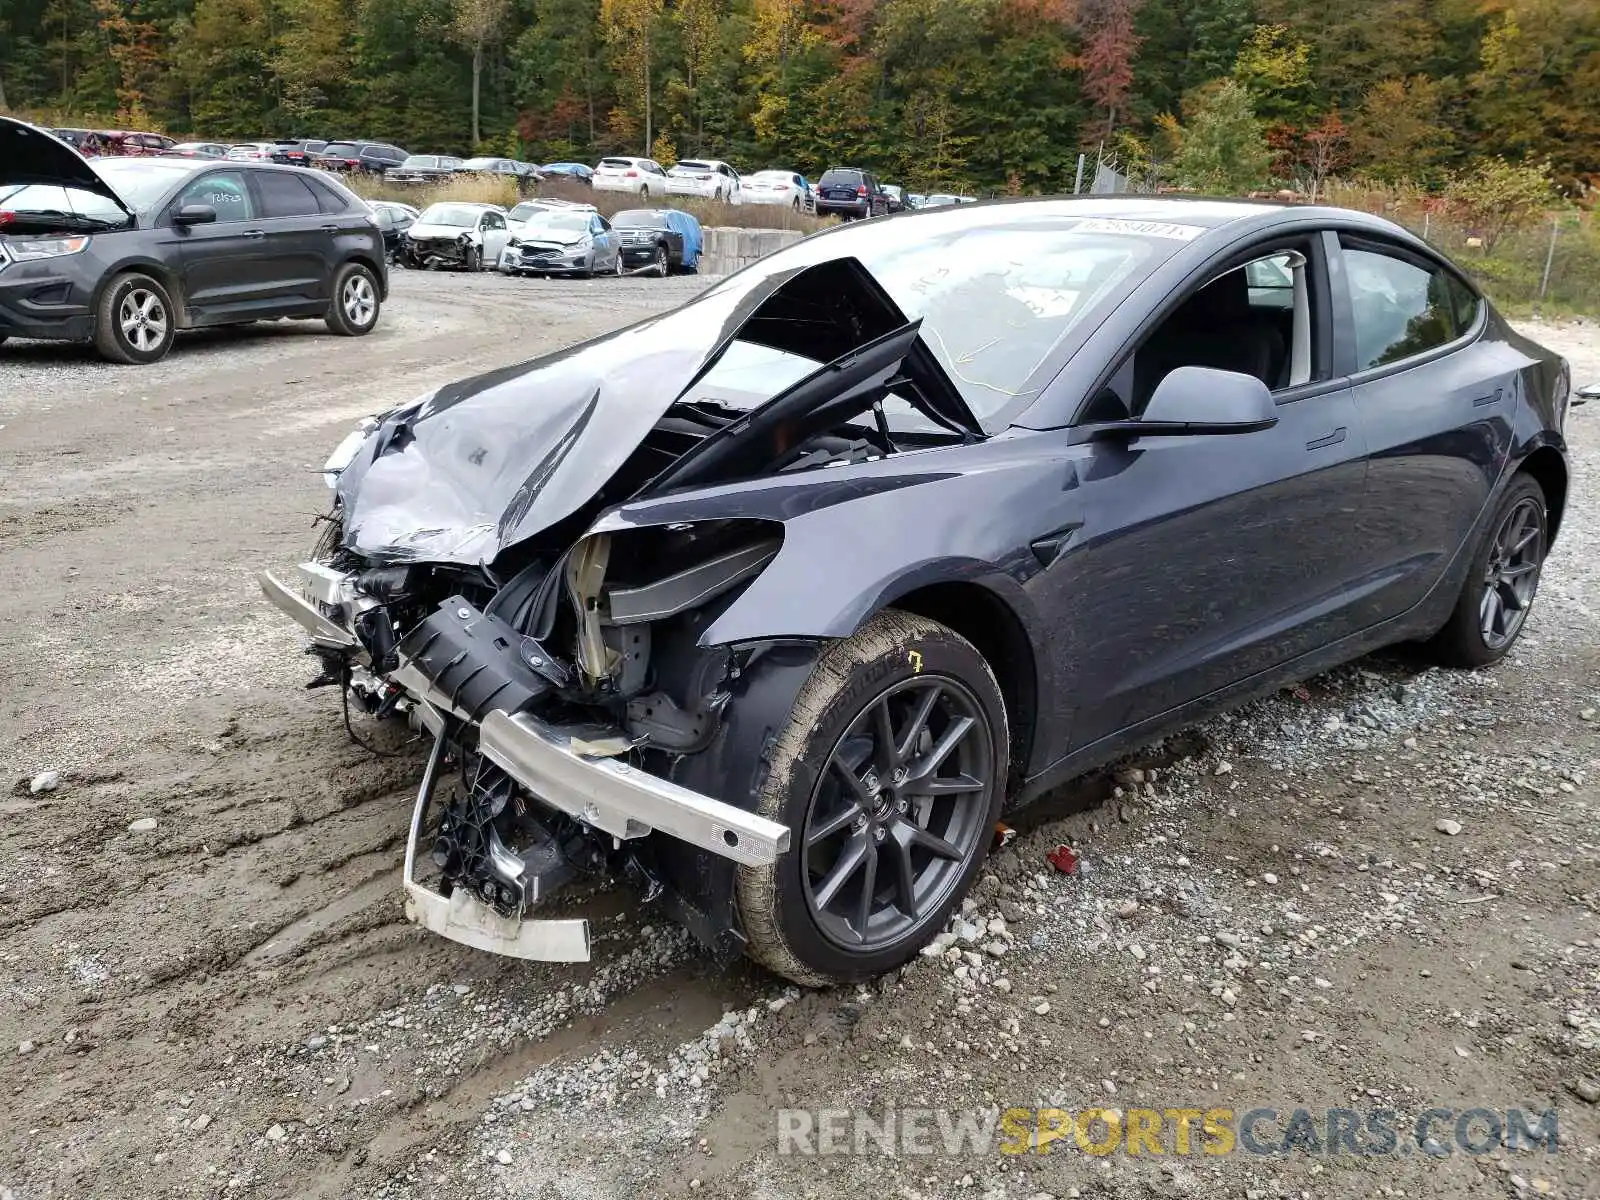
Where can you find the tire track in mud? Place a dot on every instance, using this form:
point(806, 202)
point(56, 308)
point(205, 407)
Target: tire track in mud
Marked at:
point(195, 961)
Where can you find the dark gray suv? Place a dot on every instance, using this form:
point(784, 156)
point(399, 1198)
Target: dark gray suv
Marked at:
point(126, 252)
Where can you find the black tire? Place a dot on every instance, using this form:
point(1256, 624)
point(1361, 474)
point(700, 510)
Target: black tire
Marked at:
point(354, 310)
point(644, 194)
point(1501, 583)
point(474, 259)
point(662, 262)
point(619, 268)
point(897, 660)
point(134, 321)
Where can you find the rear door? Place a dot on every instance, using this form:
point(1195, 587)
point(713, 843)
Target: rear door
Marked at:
point(225, 272)
point(1435, 399)
point(298, 243)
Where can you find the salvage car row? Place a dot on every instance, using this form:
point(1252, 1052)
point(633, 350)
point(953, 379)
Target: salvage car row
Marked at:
point(539, 238)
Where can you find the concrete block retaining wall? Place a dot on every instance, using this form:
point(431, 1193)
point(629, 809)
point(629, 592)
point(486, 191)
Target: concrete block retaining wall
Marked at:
point(730, 249)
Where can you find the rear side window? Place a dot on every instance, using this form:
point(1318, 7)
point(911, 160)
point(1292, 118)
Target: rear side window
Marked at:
point(328, 199)
point(225, 191)
point(1400, 307)
point(284, 195)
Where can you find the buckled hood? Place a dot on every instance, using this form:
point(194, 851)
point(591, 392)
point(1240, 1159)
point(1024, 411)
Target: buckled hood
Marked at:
point(29, 155)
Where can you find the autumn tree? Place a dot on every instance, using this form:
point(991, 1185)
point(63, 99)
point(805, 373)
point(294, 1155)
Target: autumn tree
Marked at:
point(1109, 45)
point(1398, 133)
point(1323, 150)
point(1274, 66)
point(1221, 149)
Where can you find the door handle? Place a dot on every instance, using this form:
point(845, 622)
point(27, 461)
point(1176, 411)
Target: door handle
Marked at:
point(1482, 401)
point(330, 228)
point(1327, 439)
point(254, 234)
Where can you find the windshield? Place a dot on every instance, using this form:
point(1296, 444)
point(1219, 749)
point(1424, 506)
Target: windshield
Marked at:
point(771, 177)
point(639, 218)
point(994, 298)
point(571, 222)
point(450, 214)
point(692, 168)
point(526, 211)
point(619, 164)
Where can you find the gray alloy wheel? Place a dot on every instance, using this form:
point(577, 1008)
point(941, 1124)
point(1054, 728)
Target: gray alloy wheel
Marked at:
point(661, 262)
point(891, 772)
point(619, 269)
point(134, 320)
point(1511, 575)
point(1502, 580)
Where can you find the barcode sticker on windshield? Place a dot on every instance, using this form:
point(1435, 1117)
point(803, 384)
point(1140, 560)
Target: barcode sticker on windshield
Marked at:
point(1160, 229)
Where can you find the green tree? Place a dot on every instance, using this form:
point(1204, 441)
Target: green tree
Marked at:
point(1274, 66)
point(1221, 149)
point(1398, 132)
point(630, 31)
point(1495, 197)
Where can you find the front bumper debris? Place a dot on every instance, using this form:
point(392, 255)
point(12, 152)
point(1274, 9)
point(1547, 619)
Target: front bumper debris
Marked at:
point(463, 918)
point(296, 603)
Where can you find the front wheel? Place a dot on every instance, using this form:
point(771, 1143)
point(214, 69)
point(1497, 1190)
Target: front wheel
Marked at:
point(1501, 583)
point(660, 265)
point(890, 772)
point(134, 322)
point(354, 310)
point(474, 259)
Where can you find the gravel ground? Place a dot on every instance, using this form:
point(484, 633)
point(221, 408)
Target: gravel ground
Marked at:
point(1377, 890)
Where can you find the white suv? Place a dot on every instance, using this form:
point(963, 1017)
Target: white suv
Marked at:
point(708, 178)
point(641, 176)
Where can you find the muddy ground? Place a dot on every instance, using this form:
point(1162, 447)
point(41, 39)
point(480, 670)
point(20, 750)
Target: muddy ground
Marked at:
point(231, 1003)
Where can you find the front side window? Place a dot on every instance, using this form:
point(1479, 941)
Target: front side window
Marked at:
point(225, 191)
point(1400, 308)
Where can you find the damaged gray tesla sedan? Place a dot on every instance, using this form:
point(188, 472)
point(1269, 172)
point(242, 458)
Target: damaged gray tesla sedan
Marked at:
point(773, 604)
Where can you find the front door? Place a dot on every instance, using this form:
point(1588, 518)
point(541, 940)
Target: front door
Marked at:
point(1192, 563)
point(224, 261)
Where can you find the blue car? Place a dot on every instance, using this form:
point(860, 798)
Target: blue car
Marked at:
point(570, 170)
point(664, 239)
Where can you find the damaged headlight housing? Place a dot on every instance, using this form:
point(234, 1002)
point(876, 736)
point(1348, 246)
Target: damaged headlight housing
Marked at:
point(346, 450)
point(31, 249)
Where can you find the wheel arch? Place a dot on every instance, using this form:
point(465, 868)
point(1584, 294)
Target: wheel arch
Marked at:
point(157, 270)
point(1549, 470)
point(998, 634)
point(379, 275)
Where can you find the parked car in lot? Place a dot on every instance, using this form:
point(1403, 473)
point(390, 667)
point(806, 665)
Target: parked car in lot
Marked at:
point(393, 221)
point(851, 193)
point(532, 211)
point(776, 603)
point(424, 168)
point(643, 177)
point(498, 166)
point(373, 158)
point(126, 252)
point(567, 170)
point(251, 151)
point(297, 152)
point(895, 195)
point(210, 150)
point(573, 241)
point(787, 188)
point(706, 178)
point(457, 234)
point(945, 200)
point(662, 239)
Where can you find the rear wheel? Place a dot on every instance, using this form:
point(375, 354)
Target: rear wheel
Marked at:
point(354, 310)
point(1501, 584)
point(890, 773)
point(644, 192)
point(134, 322)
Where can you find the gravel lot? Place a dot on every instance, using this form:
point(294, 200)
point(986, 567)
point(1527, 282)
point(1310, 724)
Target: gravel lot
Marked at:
point(1273, 912)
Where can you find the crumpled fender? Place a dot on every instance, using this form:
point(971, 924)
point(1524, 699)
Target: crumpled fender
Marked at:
point(855, 542)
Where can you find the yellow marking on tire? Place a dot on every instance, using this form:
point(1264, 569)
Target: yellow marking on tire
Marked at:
point(915, 657)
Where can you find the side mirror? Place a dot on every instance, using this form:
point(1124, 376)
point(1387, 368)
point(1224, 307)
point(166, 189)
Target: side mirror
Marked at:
point(194, 214)
point(1197, 400)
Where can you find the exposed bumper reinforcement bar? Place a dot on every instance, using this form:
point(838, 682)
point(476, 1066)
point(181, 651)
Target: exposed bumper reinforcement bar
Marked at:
point(463, 918)
point(323, 631)
point(617, 798)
